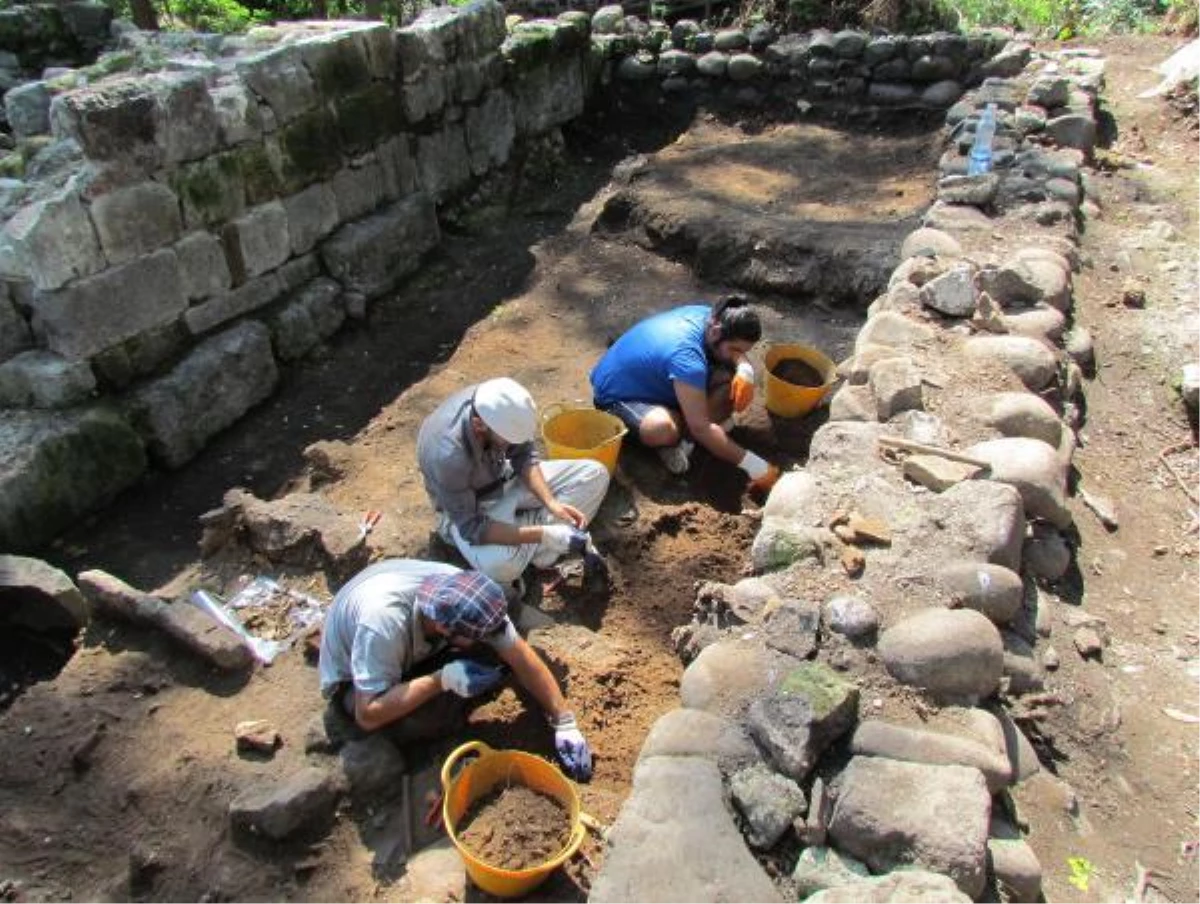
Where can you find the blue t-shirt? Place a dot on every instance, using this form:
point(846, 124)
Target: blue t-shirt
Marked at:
point(643, 364)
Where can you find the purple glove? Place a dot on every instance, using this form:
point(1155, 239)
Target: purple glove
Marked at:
point(572, 748)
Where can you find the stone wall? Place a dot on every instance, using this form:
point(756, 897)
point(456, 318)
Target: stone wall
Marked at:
point(193, 211)
point(902, 605)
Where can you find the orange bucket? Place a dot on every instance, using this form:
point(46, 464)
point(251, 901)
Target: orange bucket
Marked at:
point(581, 432)
point(477, 778)
point(789, 399)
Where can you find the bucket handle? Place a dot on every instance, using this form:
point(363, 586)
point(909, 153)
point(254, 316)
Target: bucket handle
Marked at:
point(477, 747)
point(577, 836)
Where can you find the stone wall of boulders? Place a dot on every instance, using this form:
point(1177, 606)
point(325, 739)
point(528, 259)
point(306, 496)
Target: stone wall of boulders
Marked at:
point(863, 698)
point(757, 65)
point(189, 213)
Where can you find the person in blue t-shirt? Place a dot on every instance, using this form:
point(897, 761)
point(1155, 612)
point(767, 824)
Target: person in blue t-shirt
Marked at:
point(676, 377)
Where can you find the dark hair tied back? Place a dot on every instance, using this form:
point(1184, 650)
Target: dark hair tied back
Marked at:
point(736, 319)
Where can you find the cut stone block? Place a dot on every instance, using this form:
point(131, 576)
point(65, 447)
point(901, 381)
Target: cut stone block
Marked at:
point(132, 221)
point(374, 254)
point(217, 383)
point(94, 314)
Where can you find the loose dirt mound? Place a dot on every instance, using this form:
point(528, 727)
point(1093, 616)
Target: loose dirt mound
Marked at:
point(515, 828)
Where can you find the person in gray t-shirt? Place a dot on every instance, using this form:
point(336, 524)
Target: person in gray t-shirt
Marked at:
point(499, 504)
point(398, 614)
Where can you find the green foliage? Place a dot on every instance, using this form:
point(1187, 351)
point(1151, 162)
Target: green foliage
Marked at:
point(1064, 19)
point(1101, 16)
point(219, 16)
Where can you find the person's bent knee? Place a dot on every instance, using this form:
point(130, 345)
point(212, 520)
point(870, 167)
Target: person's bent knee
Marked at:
point(501, 570)
point(659, 428)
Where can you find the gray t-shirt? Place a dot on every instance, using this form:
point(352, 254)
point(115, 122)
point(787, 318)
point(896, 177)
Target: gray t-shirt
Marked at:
point(372, 635)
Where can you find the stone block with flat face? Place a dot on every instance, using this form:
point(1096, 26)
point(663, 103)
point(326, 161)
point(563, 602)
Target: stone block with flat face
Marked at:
point(50, 243)
point(490, 130)
point(337, 63)
point(188, 127)
point(93, 314)
point(202, 265)
point(312, 214)
point(117, 120)
point(372, 255)
point(258, 241)
point(58, 466)
point(137, 219)
point(211, 388)
point(280, 78)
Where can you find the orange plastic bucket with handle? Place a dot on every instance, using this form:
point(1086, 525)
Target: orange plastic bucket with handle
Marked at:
point(581, 432)
point(493, 768)
point(790, 399)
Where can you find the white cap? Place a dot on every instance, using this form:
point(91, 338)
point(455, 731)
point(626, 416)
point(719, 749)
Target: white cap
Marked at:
point(508, 410)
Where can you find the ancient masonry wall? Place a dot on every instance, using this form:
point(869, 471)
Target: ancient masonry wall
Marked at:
point(188, 213)
point(865, 695)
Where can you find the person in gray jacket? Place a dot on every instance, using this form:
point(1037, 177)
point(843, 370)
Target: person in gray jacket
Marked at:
point(498, 503)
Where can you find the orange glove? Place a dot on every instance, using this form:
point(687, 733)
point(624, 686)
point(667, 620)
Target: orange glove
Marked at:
point(762, 475)
point(741, 390)
point(763, 484)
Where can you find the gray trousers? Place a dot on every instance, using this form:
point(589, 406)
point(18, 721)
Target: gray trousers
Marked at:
point(578, 482)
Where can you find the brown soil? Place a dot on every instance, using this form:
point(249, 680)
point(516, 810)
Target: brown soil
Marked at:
point(515, 828)
point(115, 776)
point(798, 373)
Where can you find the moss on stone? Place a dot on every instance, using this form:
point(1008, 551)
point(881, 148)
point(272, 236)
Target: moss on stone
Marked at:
point(259, 178)
point(212, 190)
point(68, 81)
point(109, 64)
point(530, 44)
point(30, 147)
point(340, 69)
point(12, 166)
point(311, 147)
point(823, 688)
point(367, 118)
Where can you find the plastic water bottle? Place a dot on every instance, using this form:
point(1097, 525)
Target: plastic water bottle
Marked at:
point(980, 160)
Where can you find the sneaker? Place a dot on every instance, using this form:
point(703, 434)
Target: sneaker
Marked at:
point(677, 458)
point(515, 592)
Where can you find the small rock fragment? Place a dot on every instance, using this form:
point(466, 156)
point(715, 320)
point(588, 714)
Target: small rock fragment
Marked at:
point(1133, 296)
point(257, 736)
point(1088, 643)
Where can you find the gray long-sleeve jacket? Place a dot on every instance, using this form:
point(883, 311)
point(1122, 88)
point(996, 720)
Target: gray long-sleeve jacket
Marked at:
point(458, 470)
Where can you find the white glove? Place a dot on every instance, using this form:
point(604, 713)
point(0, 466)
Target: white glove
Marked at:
point(559, 539)
point(754, 466)
point(572, 748)
point(468, 678)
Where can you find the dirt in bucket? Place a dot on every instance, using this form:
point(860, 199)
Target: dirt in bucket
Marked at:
point(796, 372)
point(515, 828)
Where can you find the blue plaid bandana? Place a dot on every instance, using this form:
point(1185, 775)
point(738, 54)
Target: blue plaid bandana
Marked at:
point(466, 603)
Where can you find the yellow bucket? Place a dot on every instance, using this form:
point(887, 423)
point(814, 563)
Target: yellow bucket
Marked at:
point(477, 778)
point(582, 433)
point(788, 399)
